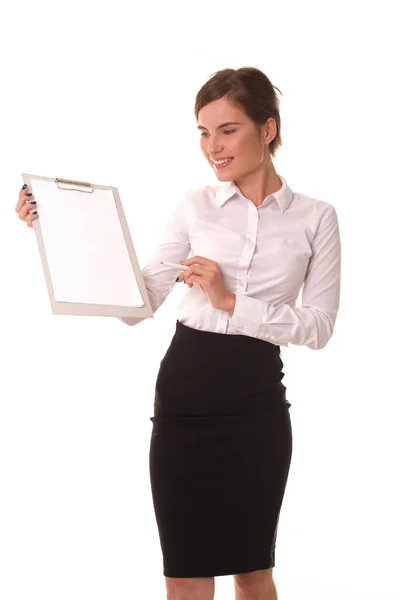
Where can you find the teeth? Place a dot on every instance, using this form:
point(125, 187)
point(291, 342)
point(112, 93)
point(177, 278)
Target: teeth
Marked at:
point(221, 162)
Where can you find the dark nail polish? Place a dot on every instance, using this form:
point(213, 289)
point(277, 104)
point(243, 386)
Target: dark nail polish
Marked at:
point(177, 279)
point(34, 212)
point(32, 202)
point(30, 194)
point(24, 186)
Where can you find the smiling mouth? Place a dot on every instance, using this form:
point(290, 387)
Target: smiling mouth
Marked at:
point(223, 164)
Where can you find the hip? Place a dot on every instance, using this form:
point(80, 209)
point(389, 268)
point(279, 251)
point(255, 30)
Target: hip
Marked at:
point(208, 373)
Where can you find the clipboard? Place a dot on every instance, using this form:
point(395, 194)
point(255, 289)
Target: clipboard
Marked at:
point(89, 261)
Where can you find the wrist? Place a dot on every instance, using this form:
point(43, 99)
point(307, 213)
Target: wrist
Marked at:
point(229, 304)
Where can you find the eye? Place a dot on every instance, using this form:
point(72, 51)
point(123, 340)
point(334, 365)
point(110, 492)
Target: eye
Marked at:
point(227, 131)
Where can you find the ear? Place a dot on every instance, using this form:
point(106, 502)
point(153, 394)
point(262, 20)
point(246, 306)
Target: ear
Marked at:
point(269, 130)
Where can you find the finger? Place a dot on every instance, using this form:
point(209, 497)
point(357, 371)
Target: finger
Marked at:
point(31, 218)
point(22, 197)
point(24, 212)
point(193, 270)
point(189, 283)
point(183, 275)
point(194, 279)
point(200, 260)
point(26, 207)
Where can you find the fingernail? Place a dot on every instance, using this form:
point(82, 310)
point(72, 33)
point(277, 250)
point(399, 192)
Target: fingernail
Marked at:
point(24, 186)
point(32, 202)
point(30, 194)
point(34, 212)
point(177, 278)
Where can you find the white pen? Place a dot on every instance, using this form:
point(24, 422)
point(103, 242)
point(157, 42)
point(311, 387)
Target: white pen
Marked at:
point(168, 264)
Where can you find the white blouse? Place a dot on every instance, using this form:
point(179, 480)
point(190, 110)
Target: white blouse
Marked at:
point(265, 255)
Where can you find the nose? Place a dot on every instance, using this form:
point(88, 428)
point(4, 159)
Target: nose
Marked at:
point(213, 147)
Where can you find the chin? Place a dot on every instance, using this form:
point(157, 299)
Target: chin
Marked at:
point(222, 175)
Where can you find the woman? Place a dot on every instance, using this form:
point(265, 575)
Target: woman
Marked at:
point(221, 442)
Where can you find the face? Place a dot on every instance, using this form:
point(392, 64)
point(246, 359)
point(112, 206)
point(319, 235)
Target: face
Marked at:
point(240, 141)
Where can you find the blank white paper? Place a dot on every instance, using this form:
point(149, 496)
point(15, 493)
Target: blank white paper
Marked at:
point(85, 246)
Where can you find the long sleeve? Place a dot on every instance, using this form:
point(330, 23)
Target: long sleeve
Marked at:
point(312, 323)
point(174, 246)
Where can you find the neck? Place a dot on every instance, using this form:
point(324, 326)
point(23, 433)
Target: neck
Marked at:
point(256, 186)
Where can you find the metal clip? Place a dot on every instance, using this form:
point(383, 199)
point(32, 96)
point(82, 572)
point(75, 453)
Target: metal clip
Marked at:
point(75, 185)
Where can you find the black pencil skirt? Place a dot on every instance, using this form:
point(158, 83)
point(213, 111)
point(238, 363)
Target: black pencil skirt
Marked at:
point(220, 453)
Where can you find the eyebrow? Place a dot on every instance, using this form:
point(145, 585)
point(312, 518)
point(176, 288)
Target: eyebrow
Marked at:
point(222, 125)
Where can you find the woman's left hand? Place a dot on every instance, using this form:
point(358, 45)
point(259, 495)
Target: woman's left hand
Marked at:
point(206, 273)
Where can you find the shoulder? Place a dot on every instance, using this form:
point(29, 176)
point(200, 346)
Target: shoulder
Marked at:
point(314, 209)
point(312, 202)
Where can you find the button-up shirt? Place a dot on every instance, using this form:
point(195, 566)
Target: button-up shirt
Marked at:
point(265, 254)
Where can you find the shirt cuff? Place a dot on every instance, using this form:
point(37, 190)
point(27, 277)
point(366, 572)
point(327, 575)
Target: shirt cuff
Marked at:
point(247, 316)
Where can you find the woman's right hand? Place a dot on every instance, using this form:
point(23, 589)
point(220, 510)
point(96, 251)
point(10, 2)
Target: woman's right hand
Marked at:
point(23, 209)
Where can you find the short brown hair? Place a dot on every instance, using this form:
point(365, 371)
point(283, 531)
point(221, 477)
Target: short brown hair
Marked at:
point(251, 90)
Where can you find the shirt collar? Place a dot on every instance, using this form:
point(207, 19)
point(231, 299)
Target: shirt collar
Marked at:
point(283, 196)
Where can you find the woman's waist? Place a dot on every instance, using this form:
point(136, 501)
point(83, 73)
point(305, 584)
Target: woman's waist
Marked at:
point(204, 334)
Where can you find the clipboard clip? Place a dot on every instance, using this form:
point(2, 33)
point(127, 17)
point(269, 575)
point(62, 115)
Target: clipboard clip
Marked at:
point(80, 186)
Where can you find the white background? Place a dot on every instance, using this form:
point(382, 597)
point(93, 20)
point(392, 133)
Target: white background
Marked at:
point(104, 92)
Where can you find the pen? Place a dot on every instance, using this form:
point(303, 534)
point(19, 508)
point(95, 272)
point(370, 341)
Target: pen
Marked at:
point(168, 264)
